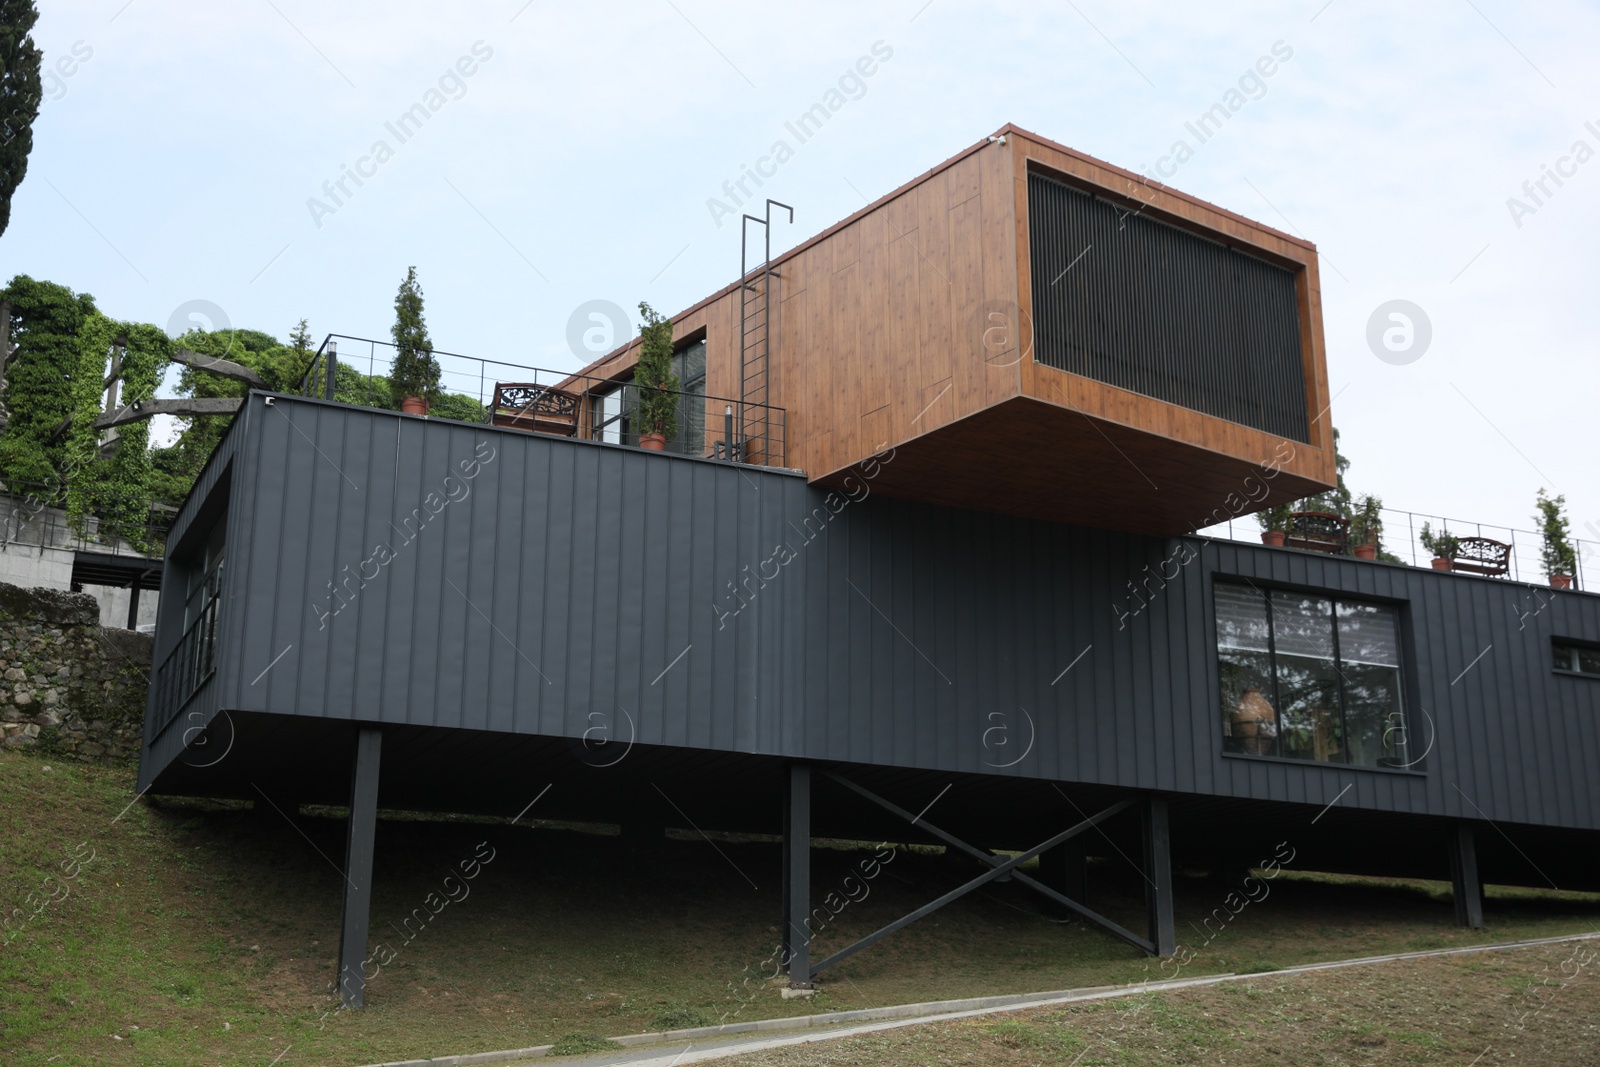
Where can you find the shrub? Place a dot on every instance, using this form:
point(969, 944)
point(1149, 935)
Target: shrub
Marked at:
point(658, 400)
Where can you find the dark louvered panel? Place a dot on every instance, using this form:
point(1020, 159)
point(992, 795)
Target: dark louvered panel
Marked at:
point(1126, 300)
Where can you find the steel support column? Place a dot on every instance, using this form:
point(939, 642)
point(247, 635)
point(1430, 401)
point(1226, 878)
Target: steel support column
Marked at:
point(797, 876)
point(1158, 876)
point(1465, 888)
point(361, 829)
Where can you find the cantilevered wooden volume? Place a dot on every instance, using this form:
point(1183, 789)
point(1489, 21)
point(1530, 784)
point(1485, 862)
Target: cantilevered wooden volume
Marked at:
point(1033, 331)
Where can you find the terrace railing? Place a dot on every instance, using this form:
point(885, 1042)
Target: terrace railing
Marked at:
point(187, 667)
point(354, 370)
point(1402, 538)
point(32, 516)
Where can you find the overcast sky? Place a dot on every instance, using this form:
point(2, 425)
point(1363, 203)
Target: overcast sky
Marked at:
point(182, 146)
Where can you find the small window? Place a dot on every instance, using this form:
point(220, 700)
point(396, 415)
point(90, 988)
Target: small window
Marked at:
point(1578, 659)
point(1310, 677)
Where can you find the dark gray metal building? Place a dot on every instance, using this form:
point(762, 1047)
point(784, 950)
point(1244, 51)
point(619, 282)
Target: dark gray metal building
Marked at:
point(474, 613)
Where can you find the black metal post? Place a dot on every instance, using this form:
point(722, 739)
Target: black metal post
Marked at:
point(797, 876)
point(1158, 876)
point(332, 368)
point(133, 605)
point(360, 832)
point(1465, 886)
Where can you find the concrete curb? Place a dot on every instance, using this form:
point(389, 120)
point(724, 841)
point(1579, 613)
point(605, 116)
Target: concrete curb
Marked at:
point(967, 1006)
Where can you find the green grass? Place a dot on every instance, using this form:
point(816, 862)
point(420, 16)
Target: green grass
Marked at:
point(579, 1043)
point(207, 933)
point(1429, 1011)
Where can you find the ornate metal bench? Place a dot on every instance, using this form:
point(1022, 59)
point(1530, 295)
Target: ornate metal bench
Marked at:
point(1318, 531)
point(1481, 555)
point(534, 407)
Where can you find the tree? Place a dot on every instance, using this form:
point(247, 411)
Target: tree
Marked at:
point(458, 407)
point(415, 371)
point(121, 489)
point(1556, 553)
point(1336, 501)
point(19, 97)
point(46, 321)
point(658, 400)
point(1443, 545)
point(281, 367)
point(300, 352)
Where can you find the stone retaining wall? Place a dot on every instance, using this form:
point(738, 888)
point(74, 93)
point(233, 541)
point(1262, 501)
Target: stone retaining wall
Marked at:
point(68, 685)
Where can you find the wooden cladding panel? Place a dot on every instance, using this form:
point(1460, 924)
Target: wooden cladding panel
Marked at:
point(899, 294)
point(879, 323)
point(1079, 470)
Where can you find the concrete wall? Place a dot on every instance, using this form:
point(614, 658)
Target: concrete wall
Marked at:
point(36, 547)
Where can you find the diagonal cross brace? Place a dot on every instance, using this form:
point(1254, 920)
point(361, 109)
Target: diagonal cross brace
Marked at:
point(986, 856)
point(1000, 868)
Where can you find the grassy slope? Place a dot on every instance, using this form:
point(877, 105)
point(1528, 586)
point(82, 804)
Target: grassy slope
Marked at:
point(214, 933)
point(1532, 1006)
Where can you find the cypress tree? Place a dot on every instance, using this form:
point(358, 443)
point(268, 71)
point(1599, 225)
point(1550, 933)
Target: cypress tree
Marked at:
point(415, 371)
point(19, 97)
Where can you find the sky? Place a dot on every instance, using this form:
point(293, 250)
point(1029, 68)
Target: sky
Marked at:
point(186, 165)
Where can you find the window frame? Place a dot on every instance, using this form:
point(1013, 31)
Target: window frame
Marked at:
point(1573, 644)
point(1406, 670)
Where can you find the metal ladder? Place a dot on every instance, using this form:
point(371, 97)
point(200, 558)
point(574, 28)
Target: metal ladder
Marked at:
point(754, 424)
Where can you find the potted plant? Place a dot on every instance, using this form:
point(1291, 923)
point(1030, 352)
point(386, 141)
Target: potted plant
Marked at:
point(414, 377)
point(1274, 521)
point(657, 385)
point(1443, 545)
point(1556, 553)
point(1366, 527)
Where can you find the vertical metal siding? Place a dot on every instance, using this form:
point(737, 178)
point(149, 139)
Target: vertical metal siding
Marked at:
point(1135, 303)
point(573, 574)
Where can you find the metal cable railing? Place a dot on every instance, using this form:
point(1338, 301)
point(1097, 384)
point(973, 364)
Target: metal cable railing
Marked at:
point(1402, 539)
point(32, 515)
point(355, 370)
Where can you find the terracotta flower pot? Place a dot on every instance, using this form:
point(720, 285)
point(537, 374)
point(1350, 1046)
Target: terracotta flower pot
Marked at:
point(655, 442)
point(414, 405)
point(1272, 537)
point(1366, 552)
point(1561, 581)
point(1442, 565)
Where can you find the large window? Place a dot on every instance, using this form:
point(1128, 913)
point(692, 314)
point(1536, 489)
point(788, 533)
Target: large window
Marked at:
point(1310, 677)
point(616, 414)
point(689, 366)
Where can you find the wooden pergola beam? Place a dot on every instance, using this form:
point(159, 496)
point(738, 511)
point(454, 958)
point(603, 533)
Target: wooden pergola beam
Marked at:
point(211, 364)
point(222, 405)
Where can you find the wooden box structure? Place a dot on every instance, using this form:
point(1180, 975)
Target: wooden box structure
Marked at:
point(1037, 332)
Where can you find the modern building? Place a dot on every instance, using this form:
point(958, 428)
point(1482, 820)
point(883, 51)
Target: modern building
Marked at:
point(929, 572)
